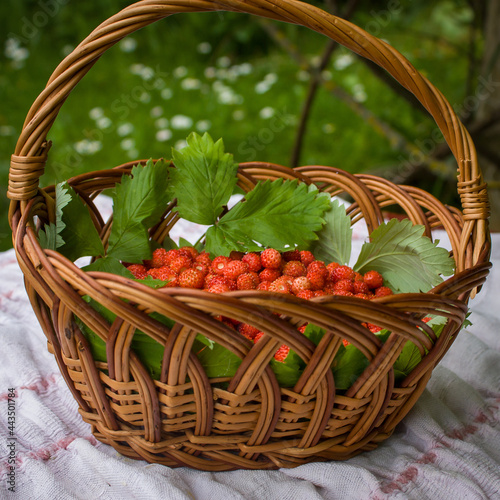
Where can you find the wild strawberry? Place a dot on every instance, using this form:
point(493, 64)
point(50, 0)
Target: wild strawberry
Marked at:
point(191, 278)
point(138, 270)
point(253, 261)
point(345, 285)
point(159, 258)
point(300, 284)
point(271, 258)
point(291, 255)
point(164, 273)
point(180, 264)
point(247, 281)
point(364, 296)
point(209, 277)
point(345, 342)
point(204, 258)
point(341, 273)
point(203, 268)
point(358, 277)
point(318, 265)
point(316, 278)
point(332, 266)
point(320, 293)
point(218, 288)
point(306, 294)
point(231, 284)
point(345, 293)
point(172, 254)
point(264, 285)
point(258, 337)
point(234, 268)
point(373, 328)
point(306, 257)
point(360, 287)
point(219, 264)
point(190, 252)
point(281, 354)
point(302, 328)
point(248, 331)
point(269, 274)
point(383, 291)
point(373, 279)
point(280, 286)
point(294, 268)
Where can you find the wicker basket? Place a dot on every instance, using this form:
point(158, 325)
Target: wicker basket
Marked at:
point(184, 418)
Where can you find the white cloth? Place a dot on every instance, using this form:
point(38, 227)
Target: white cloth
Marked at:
point(448, 446)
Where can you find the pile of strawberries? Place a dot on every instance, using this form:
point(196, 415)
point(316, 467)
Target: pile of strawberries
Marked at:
point(293, 272)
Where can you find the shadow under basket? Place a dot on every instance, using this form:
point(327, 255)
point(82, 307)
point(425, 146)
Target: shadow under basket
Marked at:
point(247, 421)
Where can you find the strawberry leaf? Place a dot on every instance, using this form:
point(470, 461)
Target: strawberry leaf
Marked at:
point(138, 202)
point(409, 261)
point(203, 179)
point(50, 237)
point(109, 264)
point(79, 234)
point(334, 243)
point(274, 214)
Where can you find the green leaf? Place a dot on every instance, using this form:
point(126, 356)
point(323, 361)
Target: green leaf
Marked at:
point(51, 238)
point(203, 179)
point(287, 372)
point(79, 233)
point(217, 361)
point(334, 243)
point(220, 242)
point(276, 214)
point(348, 364)
point(409, 261)
point(109, 264)
point(138, 202)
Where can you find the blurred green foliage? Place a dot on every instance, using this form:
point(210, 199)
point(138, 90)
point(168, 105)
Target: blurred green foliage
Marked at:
point(223, 73)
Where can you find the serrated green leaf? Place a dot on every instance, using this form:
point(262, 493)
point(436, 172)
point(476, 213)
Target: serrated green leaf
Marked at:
point(348, 364)
point(221, 242)
point(79, 235)
point(408, 261)
point(138, 202)
point(217, 361)
point(334, 239)
point(287, 372)
point(203, 179)
point(169, 244)
point(274, 214)
point(50, 237)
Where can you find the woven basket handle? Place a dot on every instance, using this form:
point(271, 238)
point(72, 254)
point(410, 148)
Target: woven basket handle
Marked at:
point(30, 155)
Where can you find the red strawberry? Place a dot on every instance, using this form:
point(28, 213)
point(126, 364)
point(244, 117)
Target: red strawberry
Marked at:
point(306, 257)
point(360, 287)
point(271, 258)
point(191, 278)
point(258, 337)
point(306, 294)
point(247, 330)
point(282, 353)
point(302, 328)
point(203, 268)
point(164, 273)
point(269, 274)
point(172, 254)
point(234, 268)
point(247, 281)
point(264, 285)
point(138, 270)
point(342, 273)
point(345, 293)
point(204, 258)
point(373, 279)
point(300, 284)
point(219, 264)
point(181, 263)
point(159, 258)
point(345, 285)
point(281, 286)
point(364, 296)
point(332, 266)
point(316, 278)
point(320, 293)
point(318, 265)
point(218, 288)
point(383, 291)
point(253, 261)
point(190, 252)
point(294, 268)
point(345, 342)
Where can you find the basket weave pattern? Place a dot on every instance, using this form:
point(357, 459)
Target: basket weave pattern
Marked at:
point(246, 421)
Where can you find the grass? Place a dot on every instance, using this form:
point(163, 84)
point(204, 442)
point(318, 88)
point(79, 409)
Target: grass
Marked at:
point(216, 72)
